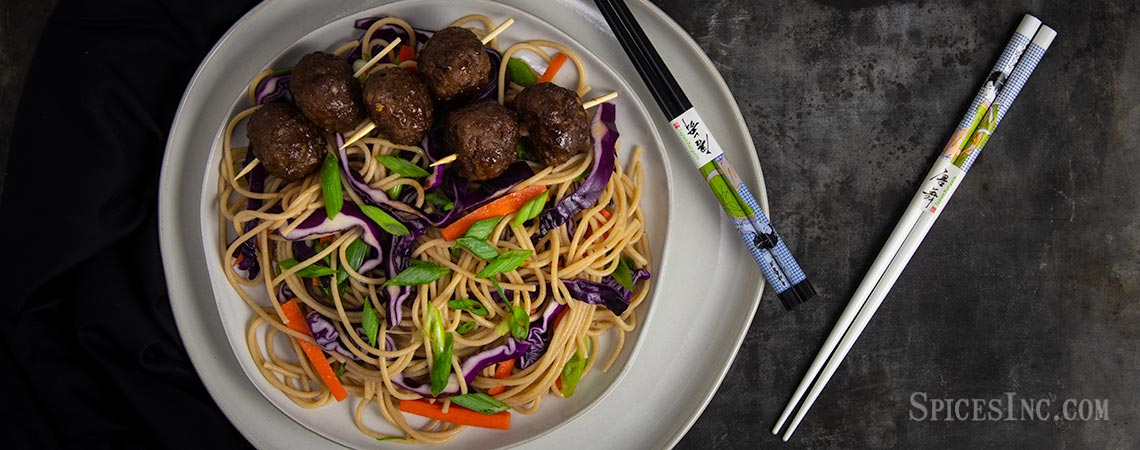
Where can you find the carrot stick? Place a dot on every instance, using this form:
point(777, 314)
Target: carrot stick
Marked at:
point(315, 354)
point(502, 371)
point(407, 53)
point(502, 206)
point(457, 414)
point(238, 260)
point(552, 69)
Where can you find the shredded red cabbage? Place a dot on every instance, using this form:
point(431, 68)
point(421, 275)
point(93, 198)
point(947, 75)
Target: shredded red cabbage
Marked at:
point(605, 135)
point(324, 332)
point(539, 335)
point(319, 224)
point(608, 292)
point(248, 249)
point(399, 253)
point(273, 87)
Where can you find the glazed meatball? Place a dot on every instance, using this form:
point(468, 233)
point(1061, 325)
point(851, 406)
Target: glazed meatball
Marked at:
point(555, 125)
point(484, 135)
point(400, 105)
point(324, 89)
point(454, 63)
point(288, 145)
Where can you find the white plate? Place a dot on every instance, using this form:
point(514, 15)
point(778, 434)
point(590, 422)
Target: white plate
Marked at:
point(706, 301)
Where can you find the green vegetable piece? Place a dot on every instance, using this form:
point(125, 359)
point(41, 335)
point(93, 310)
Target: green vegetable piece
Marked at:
point(420, 272)
point(370, 322)
point(355, 254)
point(330, 186)
point(520, 152)
point(394, 191)
point(623, 275)
point(441, 365)
point(340, 369)
point(439, 201)
point(312, 271)
point(505, 262)
point(482, 229)
point(480, 403)
point(435, 330)
point(571, 374)
point(521, 73)
point(469, 305)
point(531, 209)
point(478, 247)
point(385, 220)
point(464, 327)
point(402, 166)
point(519, 322)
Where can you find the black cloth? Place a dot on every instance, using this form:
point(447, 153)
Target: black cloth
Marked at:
point(90, 354)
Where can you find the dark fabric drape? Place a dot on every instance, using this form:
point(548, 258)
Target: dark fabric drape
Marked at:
point(90, 355)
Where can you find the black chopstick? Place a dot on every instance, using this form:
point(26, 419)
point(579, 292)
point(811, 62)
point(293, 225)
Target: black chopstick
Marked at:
point(766, 247)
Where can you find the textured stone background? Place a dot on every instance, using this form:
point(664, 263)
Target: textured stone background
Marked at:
point(1028, 284)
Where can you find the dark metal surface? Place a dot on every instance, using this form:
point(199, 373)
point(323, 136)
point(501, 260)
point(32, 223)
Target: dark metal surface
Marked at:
point(1027, 283)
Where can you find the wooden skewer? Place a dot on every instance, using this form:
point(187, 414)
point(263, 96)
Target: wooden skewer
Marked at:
point(247, 169)
point(445, 160)
point(599, 100)
point(498, 30)
point(375, 59)
point(363, 131)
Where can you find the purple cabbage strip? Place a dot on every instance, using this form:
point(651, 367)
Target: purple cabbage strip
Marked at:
point(608, 292)
point(273, 87)
point(400, 251)
point(605, 136)
point(350, 216)
point(470, 368)
point(284, 294)
point(376, 197)
point(248, 249)
point(539, 335)
point(324, 332)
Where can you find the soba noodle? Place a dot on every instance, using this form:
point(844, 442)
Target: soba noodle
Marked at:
point(601, 235)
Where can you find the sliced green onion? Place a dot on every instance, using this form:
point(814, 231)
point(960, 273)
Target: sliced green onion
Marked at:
point(370, 322)
point(520, 322)
point(439, 201)
point(394, 191)
point(417, 274)
point(330, 186)
point(312, 271)
point(505, 262)
point(623, 275)
point(464, 327)
point(521, 73)
point(478, 247)
point(340, 369)
point(571, 374)
point(531, 209)
point(402, 166)
point(385, 220)
point(469, 305)
point(480, 403)
point(482, 229)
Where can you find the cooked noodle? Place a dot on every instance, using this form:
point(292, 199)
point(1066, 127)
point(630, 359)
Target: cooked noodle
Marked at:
point(592, 251)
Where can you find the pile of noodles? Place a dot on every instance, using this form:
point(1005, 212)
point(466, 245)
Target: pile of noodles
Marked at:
point(587, 247)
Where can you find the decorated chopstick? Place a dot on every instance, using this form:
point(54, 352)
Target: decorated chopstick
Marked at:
point(766, 246)
point(929, 203)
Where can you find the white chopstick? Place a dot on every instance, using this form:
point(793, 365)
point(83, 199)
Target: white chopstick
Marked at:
point(907, 236)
